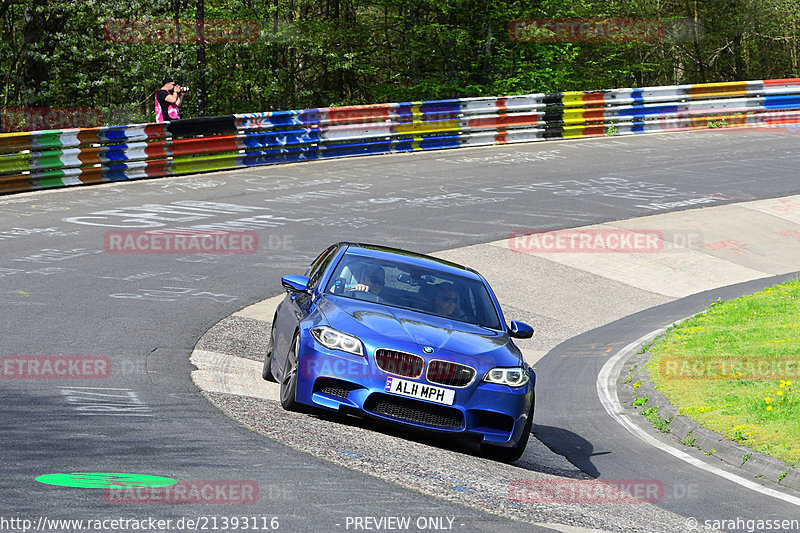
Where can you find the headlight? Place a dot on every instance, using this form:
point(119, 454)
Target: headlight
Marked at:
point(513, 377)
point(336, 340)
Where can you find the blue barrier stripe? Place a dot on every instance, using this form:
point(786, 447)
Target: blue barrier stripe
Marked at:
point(116, 133)
point(116, 152)
point(261, 139)
point(643, 110)
point(782, 102)
point(278, 118)
point(376, 146)
point(276, 159)
point(117, 175)
point(356, 149)
point(405, 145)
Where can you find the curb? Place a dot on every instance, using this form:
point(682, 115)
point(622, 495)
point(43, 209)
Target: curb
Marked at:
point(689, 432)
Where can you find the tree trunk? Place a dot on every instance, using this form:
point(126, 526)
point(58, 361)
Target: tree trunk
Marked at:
point(200, 21)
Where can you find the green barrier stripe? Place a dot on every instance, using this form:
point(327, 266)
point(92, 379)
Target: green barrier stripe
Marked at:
point(47, 183)
point(187, 165)
point(48, 174)
point(51, 159)
point(14, 163)
point(48, 139)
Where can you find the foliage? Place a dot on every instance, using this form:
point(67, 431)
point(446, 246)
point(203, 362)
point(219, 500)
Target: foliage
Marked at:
point(54, 53)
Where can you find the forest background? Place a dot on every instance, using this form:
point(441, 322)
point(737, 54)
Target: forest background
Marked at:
point(303, 53)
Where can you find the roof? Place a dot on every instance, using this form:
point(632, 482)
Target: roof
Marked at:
point(407, 256)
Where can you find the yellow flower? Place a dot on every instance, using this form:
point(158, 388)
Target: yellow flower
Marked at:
point(769, 408)
point(779, 393)
point(783, 385)
point(789, 383)
point(768, 400)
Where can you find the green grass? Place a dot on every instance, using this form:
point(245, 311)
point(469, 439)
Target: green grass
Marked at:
point(661, 424)
point(731, 369)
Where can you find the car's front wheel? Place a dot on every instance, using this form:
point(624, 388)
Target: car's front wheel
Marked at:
point(289, 378)
point(266, 371)
point(511, 454)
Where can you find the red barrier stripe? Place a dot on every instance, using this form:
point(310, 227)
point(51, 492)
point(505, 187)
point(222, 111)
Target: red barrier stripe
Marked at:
point(89, 155)
point(89, 135)
point(91, 175)
point(779, 83)
point(594, 130)
point(155, 169)
point(204, 145)
point(594, 98)
point(156, 131)
point(15, 183)
point(157, 149)
point(530, 119)
point(594, 114)
point(16, 142)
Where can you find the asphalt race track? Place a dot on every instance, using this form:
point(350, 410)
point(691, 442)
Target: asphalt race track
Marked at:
point(64, 295)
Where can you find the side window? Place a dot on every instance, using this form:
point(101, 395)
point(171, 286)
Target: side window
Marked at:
point(319, 265)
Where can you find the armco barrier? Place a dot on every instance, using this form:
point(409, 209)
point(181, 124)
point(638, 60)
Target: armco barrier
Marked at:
point(57, 158)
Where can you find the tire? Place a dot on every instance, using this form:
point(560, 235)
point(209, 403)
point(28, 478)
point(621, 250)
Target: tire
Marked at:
point(289, 378)
point(266, 371)
point(511, 454)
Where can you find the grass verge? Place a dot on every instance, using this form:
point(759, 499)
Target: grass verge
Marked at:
point(735, 369)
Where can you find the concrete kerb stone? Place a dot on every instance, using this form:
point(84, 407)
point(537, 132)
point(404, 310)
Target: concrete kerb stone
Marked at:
point(791, 479)
point(681, 426)
point(710, 442)
point(764, 465)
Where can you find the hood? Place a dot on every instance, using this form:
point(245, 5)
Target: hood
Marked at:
point(382, 326)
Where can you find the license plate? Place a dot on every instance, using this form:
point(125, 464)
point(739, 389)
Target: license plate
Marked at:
point(413, 389)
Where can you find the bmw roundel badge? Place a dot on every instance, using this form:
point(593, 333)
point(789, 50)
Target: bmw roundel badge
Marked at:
point(427, 349)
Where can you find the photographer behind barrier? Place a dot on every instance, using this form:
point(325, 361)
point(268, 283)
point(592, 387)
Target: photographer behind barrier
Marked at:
point(168, 100)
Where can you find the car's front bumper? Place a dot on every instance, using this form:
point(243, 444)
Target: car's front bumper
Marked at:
point(340, 381)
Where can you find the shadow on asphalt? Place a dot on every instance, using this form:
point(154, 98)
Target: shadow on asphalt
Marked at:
point(575, 448)
point(537, 458)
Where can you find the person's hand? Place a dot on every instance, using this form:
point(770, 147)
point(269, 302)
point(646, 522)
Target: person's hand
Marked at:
point(360, 287)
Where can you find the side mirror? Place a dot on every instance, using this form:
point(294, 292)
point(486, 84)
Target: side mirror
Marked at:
point(295, 283)
point(520, 330)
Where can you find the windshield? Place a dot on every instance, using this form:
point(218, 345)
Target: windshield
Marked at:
point(415, 288)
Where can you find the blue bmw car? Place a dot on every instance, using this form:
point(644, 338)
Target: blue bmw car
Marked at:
point(406, 338)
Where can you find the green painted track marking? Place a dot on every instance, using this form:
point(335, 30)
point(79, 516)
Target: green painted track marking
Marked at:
point(104, 480)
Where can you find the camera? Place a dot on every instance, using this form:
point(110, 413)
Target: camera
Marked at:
point(181, 89)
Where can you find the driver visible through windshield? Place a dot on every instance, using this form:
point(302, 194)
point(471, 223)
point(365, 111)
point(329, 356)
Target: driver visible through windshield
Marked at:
point(415, 288)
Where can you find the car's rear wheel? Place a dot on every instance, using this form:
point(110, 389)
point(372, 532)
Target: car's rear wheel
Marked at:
point(289, 378)
point(510, 454)
point(266, 371)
